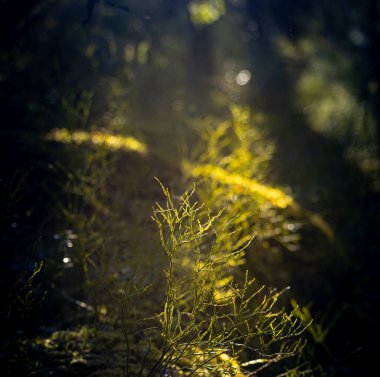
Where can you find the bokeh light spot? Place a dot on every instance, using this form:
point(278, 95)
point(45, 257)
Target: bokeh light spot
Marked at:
point(243, 77)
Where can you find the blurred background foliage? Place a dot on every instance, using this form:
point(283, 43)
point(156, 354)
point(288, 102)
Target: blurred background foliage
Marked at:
point(271, 107)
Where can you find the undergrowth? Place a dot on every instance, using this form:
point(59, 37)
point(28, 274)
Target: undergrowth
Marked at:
point(187, 310)
point(209, 323)
point(232, 170)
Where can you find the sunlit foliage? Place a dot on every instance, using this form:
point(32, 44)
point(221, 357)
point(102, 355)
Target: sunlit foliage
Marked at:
point(109, 141)
point(204, 12)
point(238, 183)
point(207, 321)
point(233, 170)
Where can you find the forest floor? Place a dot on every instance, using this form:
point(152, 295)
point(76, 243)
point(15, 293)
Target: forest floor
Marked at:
point(90, 224)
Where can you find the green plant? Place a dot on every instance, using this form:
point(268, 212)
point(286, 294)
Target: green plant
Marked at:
point(25, 295)
point(232, 168)
point(208, 322)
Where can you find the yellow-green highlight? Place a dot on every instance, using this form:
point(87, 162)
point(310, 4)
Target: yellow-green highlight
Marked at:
point(273, 195)
point(205, 12)
point(113, 142)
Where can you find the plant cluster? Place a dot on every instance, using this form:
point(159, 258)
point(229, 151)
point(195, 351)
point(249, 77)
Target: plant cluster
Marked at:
point(209, 321)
